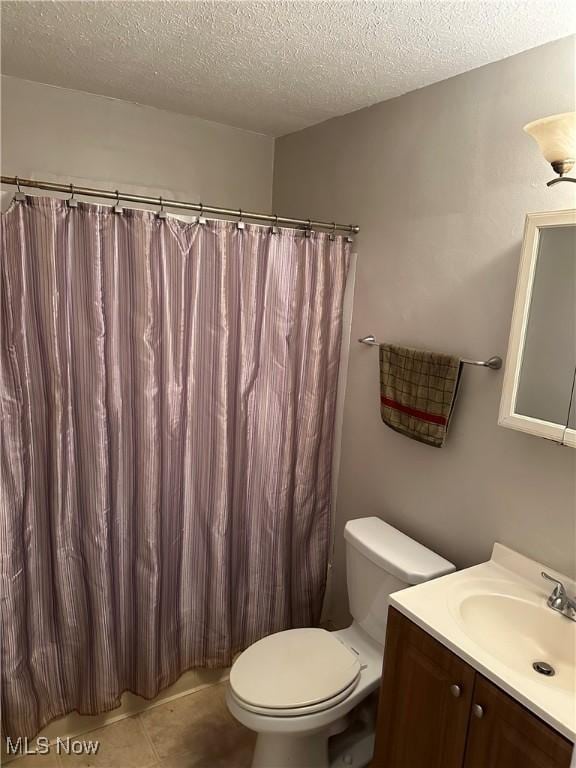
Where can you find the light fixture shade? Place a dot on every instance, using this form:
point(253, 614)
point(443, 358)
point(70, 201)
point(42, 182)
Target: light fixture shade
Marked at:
point(556, 136)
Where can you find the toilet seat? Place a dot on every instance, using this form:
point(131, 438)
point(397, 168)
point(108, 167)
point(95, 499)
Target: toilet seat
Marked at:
point(320, 706)
point(295, 672)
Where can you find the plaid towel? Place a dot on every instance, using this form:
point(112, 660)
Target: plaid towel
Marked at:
point(417, 392)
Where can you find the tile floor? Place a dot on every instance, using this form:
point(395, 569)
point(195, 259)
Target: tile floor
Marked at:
point(195, 731)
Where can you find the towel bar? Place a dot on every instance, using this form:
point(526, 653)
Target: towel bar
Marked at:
point(493, 362)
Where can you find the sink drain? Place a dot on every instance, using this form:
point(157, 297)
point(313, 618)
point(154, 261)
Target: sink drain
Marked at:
point(543, 668)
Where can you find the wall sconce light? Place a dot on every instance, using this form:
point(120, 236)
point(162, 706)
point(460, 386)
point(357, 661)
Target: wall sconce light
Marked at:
point(556, 137)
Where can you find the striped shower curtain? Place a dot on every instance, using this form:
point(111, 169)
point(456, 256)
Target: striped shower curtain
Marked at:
point(168, 393)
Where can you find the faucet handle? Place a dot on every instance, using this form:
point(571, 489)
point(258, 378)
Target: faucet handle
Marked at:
point(559, 588)
point(558, 599)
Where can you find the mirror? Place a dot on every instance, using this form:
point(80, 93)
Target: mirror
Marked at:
point(538, 393)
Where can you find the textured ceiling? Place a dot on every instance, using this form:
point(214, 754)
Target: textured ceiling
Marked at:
point(272, 67)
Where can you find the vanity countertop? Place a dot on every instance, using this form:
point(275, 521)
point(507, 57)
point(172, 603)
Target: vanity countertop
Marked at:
point(495, 617)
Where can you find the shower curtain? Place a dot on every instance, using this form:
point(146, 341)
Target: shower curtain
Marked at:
point(168, 396)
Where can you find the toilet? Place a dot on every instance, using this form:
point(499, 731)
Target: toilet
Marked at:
point(305, 691)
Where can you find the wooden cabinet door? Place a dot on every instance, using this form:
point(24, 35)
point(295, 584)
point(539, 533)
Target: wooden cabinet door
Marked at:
point(422, 718)
point(503, 734)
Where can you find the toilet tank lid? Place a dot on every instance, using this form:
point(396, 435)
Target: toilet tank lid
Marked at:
point(395, 552)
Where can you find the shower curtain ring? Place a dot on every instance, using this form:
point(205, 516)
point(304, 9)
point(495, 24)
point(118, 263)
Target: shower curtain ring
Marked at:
point(274, 227)
point(72, 202)
point(308, 230)
point(118, 208)
point(161, 213)
point(333, 233)
point(240, 224)
point(201, 219)
point(20, 197)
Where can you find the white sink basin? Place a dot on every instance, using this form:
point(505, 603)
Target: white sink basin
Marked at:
point(519, 632)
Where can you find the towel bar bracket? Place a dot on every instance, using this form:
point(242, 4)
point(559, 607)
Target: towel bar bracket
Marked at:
point(494, 362)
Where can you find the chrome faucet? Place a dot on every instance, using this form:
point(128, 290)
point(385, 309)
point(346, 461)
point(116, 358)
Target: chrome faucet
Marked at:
point(559, 600)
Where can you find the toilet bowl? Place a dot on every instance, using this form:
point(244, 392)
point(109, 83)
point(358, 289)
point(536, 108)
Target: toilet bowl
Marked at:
point(298, 689)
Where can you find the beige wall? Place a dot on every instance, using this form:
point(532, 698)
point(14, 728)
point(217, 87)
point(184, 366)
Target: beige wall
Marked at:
point(58, 134)
point(439, 181)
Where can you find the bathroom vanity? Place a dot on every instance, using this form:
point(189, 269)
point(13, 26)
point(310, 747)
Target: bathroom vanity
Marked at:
point(459, 689)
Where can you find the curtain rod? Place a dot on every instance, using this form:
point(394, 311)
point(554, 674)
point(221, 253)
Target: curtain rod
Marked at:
point(15, 181)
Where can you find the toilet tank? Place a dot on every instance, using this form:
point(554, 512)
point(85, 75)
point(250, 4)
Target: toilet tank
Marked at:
point(381, 560)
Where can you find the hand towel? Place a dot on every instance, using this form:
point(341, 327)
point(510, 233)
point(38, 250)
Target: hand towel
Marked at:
point(417, 392)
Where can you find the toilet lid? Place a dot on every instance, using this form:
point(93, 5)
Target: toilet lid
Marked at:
point(295, 668)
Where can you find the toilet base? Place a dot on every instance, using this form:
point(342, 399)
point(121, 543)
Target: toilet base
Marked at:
point(275, 751)
point(310, 750)
point(348, 743)
point(354, 748)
